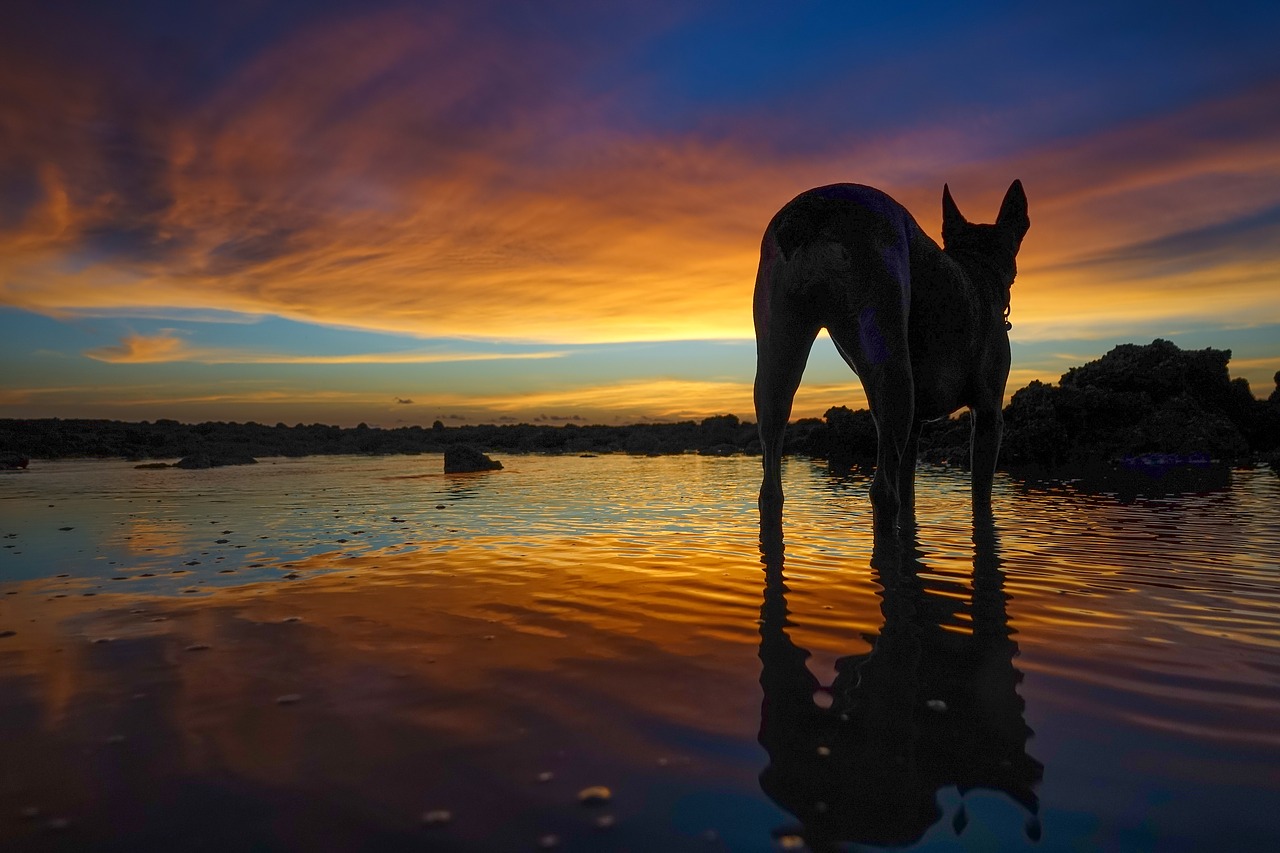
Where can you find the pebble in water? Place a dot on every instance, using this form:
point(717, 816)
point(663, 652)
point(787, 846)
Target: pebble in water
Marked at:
point(596, 795)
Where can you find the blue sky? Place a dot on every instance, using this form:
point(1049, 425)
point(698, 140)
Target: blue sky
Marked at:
point(397, 212)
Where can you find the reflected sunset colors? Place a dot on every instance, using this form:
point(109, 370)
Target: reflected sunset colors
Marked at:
point(352, 642)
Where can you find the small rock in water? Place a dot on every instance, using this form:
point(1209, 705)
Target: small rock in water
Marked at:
point(596, 795)
point(437, 817)
point(461, 458)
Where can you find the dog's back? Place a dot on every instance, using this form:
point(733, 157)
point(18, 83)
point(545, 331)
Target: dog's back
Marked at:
point(828, 237)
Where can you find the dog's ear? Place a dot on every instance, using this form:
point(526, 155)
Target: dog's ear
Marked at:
point(1013, 219)
point(952, 221)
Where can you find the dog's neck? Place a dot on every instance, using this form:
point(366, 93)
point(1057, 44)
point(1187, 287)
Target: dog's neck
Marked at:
point(992, 278)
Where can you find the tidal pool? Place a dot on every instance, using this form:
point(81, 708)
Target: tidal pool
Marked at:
point(362, 653)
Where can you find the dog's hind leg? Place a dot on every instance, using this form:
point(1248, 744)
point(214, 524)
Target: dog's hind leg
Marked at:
point(907, 477)
point(782, 349)
point(874, 343)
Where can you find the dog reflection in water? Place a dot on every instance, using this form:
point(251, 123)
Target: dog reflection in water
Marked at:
point(933, 704)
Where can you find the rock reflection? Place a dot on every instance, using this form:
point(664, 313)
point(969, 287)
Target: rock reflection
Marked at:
point(933, 704)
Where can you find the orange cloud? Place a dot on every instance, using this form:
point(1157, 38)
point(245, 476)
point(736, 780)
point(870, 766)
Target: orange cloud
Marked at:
point(143, 349)
point(343, 177)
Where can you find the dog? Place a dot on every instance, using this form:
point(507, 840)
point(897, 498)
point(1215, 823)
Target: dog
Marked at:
point(925, 328)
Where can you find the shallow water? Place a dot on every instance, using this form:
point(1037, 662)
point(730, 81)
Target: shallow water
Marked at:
point(316, 653)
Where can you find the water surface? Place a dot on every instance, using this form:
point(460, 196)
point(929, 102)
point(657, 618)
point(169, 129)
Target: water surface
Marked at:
point(316, 653)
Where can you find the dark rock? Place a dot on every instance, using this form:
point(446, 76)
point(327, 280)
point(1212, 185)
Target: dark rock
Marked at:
point(463, 459)
point(203, 460)
point(147, 466)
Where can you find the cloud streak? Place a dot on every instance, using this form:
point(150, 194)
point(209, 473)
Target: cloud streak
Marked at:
point(169, 347)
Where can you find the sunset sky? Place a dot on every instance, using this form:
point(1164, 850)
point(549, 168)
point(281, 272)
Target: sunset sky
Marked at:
point(548, 211)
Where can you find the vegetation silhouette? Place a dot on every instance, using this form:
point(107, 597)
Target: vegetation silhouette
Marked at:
point(933, 704)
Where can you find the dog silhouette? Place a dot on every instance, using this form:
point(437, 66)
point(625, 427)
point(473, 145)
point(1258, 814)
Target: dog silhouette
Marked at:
point(925, 328)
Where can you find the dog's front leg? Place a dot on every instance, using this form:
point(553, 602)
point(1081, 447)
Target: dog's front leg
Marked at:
point(984, 449)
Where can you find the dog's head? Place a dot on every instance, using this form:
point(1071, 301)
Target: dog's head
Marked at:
point(997, 245)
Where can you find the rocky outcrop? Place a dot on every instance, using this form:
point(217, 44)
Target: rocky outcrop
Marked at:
point(464, 459)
